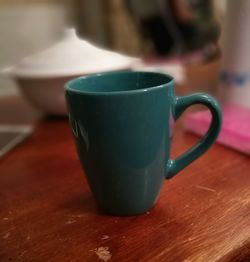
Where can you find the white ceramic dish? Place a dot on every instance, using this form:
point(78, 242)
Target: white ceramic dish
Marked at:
point(41, 77)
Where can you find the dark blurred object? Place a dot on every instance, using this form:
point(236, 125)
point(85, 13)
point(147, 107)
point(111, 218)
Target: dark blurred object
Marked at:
point(160, 27)
point(106, 23)
point(176, 26)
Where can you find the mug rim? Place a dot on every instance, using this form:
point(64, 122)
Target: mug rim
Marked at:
point(69, 85)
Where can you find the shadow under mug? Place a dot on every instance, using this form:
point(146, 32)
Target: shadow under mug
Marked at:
point(122, 124)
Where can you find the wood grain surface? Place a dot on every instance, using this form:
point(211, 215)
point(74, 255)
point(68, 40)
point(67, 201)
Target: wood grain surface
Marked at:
point(48, 214)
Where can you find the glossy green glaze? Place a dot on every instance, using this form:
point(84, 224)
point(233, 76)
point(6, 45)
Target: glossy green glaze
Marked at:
point(122, 123)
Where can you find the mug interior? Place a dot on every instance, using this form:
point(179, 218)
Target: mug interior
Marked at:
point(118, 82)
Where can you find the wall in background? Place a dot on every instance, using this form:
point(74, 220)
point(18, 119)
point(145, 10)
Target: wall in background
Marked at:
point(26, 27)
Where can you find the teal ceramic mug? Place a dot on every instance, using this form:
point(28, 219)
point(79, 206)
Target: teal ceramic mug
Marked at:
point(123, 124)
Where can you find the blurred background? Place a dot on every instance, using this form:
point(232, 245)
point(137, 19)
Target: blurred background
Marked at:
point(188, 31)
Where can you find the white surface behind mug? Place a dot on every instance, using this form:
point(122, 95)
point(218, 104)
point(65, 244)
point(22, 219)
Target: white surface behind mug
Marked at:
point(235, 74)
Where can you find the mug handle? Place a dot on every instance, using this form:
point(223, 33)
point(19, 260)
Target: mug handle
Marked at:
point(180, 105)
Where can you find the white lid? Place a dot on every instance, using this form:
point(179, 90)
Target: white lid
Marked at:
point(71, 56)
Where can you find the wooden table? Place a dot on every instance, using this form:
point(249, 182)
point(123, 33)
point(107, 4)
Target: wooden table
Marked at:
point(48, 214)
